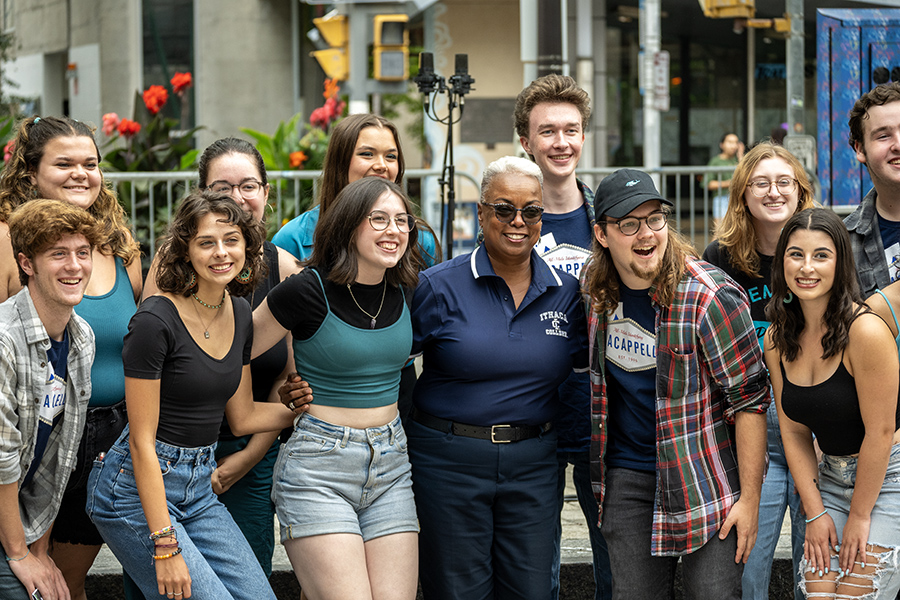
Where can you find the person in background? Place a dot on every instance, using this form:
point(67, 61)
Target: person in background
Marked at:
point(57, 157)
point(499, 331)
point(362, 145)
point(679, 400)
point(46, 351)
point(835, 372)
point(551, 115)
point(768, 188)
point(875, 224)
point(342, 488)
point(187, 363)
point(732, 149)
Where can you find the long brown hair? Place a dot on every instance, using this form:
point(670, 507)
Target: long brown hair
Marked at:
point(17, 182)
point(787, 316)
point(736, 232)
point(603, 281)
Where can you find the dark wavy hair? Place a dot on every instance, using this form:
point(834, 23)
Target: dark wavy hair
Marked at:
point(334, 248)
point(336, 166)
point(787, 318)
point(17, 184)
point(175, 271)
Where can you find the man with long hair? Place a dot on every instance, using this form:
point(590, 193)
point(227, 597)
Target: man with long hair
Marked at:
point(679, 399)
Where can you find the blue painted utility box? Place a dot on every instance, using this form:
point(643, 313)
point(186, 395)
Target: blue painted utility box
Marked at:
point(851, 45)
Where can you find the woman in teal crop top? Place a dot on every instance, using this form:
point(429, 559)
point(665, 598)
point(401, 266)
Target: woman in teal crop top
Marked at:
point(820, 326)
point(342, 485)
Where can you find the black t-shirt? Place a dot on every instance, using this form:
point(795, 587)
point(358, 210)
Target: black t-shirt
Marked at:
point(758, 289)
point(194, 387)
point(298, 303)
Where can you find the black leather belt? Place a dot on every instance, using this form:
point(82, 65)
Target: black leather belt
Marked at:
point(498, 434)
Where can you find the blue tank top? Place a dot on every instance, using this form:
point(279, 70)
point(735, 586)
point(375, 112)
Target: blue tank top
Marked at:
point(351, 367)
point(108, 315)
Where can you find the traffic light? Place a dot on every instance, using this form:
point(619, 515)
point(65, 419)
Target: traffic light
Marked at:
point(728, 9)
point(335, 57)
point(391, 55)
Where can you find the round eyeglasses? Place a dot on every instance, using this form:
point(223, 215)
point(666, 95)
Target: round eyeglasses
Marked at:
point(631, 225)
point(761, 188)
point(381, 220)
point(506, 213)
point(248, 188)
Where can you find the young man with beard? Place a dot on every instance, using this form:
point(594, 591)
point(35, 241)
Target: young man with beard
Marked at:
point(679, 399)
point(46, 351)
point(551, 115)
point(875, 224)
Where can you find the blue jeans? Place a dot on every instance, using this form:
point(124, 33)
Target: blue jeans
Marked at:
point(777, 495)
point(581, 478)
point(487, 515)
point(220, 561)
point(10, 586)
point(710, 573)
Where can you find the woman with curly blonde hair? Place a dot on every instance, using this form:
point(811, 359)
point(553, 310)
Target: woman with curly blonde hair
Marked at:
point(769, 186)
point(57, 158)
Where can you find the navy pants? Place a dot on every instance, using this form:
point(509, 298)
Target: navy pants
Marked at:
point(487, 514)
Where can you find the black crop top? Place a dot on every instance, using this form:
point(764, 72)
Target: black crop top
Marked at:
point(830, 409)
point(194, 387)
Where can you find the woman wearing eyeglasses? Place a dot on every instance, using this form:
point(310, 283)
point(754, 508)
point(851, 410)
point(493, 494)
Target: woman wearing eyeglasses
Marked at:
point(769, 186)
point(342, 486)
point(499, 331)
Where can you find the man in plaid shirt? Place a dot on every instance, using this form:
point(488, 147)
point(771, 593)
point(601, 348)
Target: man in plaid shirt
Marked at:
point(679, 399)
point(46, 352)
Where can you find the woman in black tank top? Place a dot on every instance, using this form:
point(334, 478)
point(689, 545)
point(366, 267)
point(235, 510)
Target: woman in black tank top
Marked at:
point(834, 372)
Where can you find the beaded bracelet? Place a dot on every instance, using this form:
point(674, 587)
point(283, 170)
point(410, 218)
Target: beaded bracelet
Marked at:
point(27, 552)
point(164, 532)
point(175, 552)
point(808, 521)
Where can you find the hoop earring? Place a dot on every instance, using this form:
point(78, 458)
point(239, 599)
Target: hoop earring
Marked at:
point(788, 299)
point(193, 281)
point(245, 275)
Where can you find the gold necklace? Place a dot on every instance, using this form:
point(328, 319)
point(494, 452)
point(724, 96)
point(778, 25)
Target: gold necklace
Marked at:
point(205, 326)
point(375, 316)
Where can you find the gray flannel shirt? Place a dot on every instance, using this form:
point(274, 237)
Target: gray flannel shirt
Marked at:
point(868, 250)
point(23, 373)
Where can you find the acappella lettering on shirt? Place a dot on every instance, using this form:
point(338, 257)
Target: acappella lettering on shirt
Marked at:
point(628, 345)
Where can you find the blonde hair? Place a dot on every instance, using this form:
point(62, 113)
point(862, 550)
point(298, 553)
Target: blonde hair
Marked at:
point(736, 232)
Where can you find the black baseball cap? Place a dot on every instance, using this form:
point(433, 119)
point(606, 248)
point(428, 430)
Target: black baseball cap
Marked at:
point(622, 192)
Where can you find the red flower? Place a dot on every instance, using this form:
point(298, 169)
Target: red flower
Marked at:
point(128, 128)
point(181, 82)
point(297, 159)
point(8, 149)
point(319, 117)
point(154, 98)
point(110, 123)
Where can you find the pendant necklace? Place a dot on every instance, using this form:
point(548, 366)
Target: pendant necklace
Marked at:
point(216, 307)
point(375, 316)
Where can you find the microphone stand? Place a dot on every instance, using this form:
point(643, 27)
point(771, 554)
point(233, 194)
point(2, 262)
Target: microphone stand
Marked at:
point(431, 85)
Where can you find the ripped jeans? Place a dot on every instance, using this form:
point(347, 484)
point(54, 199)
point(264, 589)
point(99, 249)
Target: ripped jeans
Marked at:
point(837, 477)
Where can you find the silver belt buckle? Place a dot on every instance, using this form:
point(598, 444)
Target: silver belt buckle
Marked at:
point(494, 434)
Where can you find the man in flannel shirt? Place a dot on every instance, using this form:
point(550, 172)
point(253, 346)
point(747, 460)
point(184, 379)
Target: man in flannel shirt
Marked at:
point(46, 352)
point(679, 393)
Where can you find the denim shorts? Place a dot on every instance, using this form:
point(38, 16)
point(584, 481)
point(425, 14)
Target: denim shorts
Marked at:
point(219, 559)
point(837, 477)
point(102, 426)
point(335, 479)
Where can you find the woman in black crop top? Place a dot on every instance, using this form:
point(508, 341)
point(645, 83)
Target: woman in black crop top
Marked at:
point(186, 360)
point(835, 371)
point(342, 486)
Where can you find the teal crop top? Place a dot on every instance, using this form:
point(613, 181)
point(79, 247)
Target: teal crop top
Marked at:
point(109, 315)
point(351, 367)
point(893, 314)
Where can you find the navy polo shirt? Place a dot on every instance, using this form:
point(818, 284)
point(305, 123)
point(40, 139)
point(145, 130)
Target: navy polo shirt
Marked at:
point(486, 362)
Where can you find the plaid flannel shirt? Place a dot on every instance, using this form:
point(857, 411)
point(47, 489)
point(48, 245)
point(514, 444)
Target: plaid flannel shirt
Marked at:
point(23, 374)
point(709, 366)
